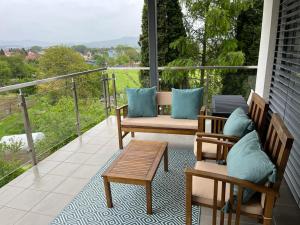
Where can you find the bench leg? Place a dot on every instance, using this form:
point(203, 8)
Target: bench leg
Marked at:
point(149, 198)
point(132, 134)
point(120, 140)
point(107, 192)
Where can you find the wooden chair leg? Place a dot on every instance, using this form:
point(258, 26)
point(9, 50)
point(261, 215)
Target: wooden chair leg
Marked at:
point(267, 217)
point(188, 199)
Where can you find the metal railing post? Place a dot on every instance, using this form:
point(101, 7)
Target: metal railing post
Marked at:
point(107, 95)
point(27, 127)
point(207, 88)
point(114, 89)
point(76, 108)
point(104, 96)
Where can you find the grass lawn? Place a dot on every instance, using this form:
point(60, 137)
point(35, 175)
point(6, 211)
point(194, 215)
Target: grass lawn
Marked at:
point(126, 79)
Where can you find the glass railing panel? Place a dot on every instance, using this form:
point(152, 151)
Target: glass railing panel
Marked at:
point(91, 107)
point(126, 78)
point(52, 117)
point(14, 155)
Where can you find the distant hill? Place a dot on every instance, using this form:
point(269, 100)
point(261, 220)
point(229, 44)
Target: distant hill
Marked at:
point(23, 44)
point(130, 41)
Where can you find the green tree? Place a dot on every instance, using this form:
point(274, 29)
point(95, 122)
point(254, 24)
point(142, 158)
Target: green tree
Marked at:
point(80, 48)
point(5, 72)
point(2, 52)
point(36, 48)
point(248, 32)
point(212, 24)
point(60, 60)
point(170, 27)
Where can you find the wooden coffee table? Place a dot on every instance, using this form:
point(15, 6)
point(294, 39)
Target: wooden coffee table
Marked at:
point(137, 165)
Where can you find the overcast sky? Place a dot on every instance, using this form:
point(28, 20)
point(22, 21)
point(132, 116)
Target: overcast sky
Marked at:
point(69, 20)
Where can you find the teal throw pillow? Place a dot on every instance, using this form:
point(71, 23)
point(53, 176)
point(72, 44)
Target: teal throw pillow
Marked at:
point(238, 124)
point(186, 103)
point(246, 160)
point(142, 102)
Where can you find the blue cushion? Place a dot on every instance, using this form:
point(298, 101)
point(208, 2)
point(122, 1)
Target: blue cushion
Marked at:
point(246, 160)
point(186, 103)
point(238, 124)
point(142, 102)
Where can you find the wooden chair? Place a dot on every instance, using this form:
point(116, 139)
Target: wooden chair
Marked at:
point(209, 185)
point(258, 109)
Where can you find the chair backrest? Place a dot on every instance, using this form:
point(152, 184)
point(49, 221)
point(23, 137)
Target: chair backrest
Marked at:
point(278, 145)
point(258, 110)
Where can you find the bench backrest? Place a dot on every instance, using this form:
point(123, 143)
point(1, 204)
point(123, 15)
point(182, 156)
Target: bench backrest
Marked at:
point(278, 145)
point(164, 98)
point(258, 110)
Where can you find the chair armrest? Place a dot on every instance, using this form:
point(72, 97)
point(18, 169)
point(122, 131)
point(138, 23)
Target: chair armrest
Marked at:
point(217, 123)
point(215, 141)
point(218, 136)
point(232, 180)
point(223, 147)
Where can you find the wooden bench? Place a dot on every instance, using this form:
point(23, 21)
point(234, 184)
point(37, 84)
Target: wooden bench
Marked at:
point(208, 184)
point(163, 123)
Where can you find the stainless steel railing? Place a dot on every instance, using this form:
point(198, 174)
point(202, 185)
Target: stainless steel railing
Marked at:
point(105, 83)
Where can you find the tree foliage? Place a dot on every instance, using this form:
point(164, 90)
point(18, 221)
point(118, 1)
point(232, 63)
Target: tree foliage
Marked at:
point(248, 32)
point(170, 27)
point(80, 48)
point(60, 60)
point(15, 68)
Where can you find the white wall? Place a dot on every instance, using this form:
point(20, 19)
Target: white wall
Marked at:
point(267, 47)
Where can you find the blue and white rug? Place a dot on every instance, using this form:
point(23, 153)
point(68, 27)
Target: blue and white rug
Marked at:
point(89, 206)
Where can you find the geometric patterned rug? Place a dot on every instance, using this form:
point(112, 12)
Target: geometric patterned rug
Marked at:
point(89, 206)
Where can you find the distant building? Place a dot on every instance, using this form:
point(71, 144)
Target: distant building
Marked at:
point(31, 56)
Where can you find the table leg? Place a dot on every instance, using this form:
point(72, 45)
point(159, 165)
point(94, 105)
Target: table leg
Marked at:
point(108, 192)
point(149, 197)
point(166, 160)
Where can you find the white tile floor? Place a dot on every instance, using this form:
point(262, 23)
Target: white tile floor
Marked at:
point(38, 195)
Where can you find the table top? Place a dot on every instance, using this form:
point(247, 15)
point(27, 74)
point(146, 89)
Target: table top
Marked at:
point(139, 161)
point(224, 105)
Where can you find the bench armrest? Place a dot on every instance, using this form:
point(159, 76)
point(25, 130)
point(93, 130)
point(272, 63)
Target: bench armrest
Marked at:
point(121, 111)
point(203, 110)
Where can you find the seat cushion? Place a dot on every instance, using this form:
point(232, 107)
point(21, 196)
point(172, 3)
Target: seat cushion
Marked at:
point(238, 124)
point(161, 121)
point(186, 103)
point(142, 102)
point(209, 150)
point(203, 189)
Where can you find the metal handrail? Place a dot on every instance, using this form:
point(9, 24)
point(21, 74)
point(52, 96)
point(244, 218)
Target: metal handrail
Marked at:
point(47, 80)
point(184, 68)
point(72, 75)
